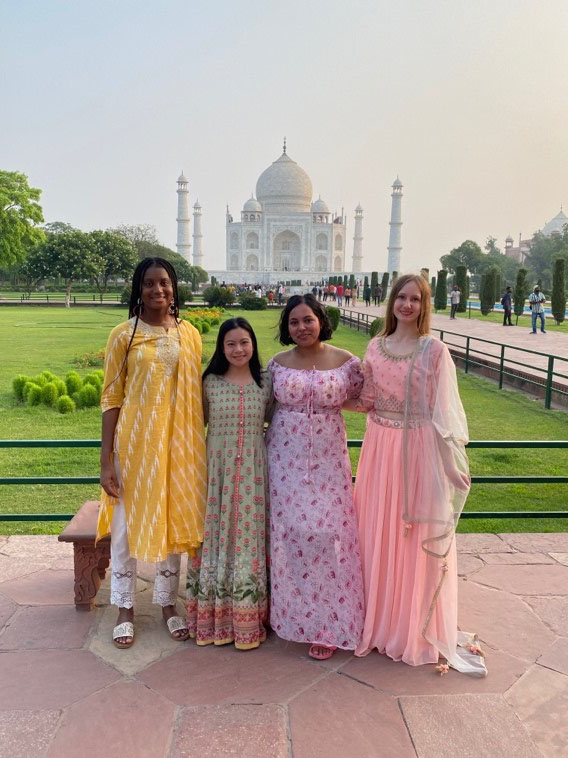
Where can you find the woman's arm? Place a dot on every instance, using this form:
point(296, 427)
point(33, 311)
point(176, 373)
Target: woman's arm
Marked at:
point(109, 480)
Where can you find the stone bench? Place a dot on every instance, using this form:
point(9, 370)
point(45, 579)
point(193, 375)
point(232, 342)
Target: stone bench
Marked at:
point(90, 561)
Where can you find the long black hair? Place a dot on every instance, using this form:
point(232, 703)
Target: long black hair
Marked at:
point(136, 306)
point(318, 310)
point(219, 364)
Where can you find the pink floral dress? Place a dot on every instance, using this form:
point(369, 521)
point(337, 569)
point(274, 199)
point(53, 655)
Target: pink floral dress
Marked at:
point(316, 580)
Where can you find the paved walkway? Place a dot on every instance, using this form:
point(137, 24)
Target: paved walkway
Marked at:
point(551, 343)
point(66, 690)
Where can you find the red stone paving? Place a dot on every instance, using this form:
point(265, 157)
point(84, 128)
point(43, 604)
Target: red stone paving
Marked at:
point(67, 691)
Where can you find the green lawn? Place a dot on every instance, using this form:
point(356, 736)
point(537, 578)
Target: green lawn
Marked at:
point(33, 339)
point(525, 322)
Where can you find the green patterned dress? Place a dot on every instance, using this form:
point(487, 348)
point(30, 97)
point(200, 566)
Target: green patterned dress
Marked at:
point(227, 598)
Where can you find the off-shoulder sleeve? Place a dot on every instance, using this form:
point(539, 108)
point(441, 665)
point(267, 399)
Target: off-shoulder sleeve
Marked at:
point(115, 368)
point(270, 400)
point(355, 374)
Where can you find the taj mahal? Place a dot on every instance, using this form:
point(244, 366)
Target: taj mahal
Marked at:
point(283, 234)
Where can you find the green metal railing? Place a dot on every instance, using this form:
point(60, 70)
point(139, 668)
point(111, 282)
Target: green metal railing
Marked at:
point(363, 321)
point(479, 444)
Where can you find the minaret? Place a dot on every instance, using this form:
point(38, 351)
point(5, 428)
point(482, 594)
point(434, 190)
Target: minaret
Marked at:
point(395, 237)
point(183, 244)
point(197, 236)
point(358, 241)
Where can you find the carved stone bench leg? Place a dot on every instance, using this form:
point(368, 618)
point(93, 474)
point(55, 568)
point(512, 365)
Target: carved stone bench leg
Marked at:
point(87, 574)
point(103, 549)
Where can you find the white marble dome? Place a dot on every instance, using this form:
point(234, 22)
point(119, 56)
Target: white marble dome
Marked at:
point(284, 186)
point(252, 205)
point(555, 225)
point(320, 206)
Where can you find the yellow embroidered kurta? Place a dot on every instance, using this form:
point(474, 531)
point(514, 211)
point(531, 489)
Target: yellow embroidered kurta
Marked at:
point(159, 439)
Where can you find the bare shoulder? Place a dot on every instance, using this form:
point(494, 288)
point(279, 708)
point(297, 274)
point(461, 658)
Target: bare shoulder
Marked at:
point(283, 358)
point(339, 355)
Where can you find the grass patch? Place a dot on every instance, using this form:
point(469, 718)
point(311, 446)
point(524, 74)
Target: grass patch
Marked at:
point(33, 339)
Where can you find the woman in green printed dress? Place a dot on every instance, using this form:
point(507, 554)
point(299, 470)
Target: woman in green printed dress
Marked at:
point(227, 599)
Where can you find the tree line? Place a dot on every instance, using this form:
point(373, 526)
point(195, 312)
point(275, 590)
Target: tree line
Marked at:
point(31, 253)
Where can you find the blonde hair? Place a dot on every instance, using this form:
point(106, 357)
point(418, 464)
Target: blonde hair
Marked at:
point(423, 321)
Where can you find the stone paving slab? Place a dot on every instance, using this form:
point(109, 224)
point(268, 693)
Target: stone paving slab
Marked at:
point(471, 726)
point(254, 731)
point(540, 700)
point(27, 733)
point(62, 679)
point(560, 558)
point(14, 568)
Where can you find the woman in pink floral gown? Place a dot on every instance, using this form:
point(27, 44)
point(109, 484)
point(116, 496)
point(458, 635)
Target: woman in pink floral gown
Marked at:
point(316, 580)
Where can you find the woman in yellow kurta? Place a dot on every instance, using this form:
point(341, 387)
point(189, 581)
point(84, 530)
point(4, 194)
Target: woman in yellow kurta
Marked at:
point(153, 462)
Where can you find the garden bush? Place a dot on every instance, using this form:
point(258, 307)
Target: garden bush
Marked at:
point(205, 328)
point(376, 327)
point(40, 380)
point(18, 383)
point(89, 396)
point(33, 396)
point(333, 315)
point(49, 375)
point(61, 387)
point(64, 404)
point(49, 394)
point(124, 299)
point(95, 380)
point(73, 382)
point(218, 296)
point(250, 302)
point(27, 386)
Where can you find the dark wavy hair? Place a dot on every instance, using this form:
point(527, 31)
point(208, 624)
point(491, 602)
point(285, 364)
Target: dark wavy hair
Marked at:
point(136, 307)
point(318, 310)
point(219, 364)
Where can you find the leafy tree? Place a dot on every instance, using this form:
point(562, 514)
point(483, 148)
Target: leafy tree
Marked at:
point(487, 294)
point(71, 255)
point(385, 285)
point(118, 258)
point(520, 293)
point(544, 251)
point(58, 227)
point(490, 246)
point(498, 285)
point(468, 254)
point(558, 299)
point(20, 214)
point(441, 296)
point(137, 234)
point(461, 280)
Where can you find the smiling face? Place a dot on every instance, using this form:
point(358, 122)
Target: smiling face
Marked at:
point(407, 304)
point(304, 326)
point(157, 289)
point(237, 347)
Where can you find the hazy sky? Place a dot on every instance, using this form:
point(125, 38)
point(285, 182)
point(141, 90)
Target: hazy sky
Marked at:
point(103, 104)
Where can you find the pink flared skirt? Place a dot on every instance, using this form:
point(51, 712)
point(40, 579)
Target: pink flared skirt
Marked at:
point(410, 596)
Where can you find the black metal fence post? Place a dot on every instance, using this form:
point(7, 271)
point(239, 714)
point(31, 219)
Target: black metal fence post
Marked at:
point(549, 375)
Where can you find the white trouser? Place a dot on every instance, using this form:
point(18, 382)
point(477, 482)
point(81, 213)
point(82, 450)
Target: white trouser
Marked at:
point(123, 569)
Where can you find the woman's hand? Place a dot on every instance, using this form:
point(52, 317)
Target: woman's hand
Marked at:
point(109, 481)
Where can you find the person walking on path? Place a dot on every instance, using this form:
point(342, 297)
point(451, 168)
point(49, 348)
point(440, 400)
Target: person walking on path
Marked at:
point(378, 294)
point(536, 300)
point(339, 293)
point(455, 296)
point(316, 581)
point(227, 597)
point(506, 302)
point(367, 295)
point(347, 296)
point(354, 294)
point(153, 464)
point(411, 486)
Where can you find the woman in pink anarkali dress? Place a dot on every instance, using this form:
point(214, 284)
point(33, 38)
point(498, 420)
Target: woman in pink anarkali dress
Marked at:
point(316, 580)
point(412, 482)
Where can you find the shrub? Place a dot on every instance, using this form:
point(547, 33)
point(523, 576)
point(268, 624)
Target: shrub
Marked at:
point(441, 296)
point(461, 280)
point(33, 396)
point(27, 386)
point(94, 358)
point(94, 380)
point(376, 327)
point(218, 296)
point(558, 299)
point(64, 404)
point(89, 396)
point(250, 302)
point(49, 394)
point(18, 383)
point(333, 314)
point(205, 328)
point(520, 292)
point(198, 325)
point(215, 321)
point(487, 294)
point(385, 284)
point(77, 400)
point(124, 297)
point(185, 294)
point(50, 377)
point(73, 382)
point(40, 380)
point(61, 388)
point(100, 373)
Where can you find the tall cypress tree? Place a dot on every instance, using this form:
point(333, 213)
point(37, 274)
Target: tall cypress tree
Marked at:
point(345, 280)
point(366, 283)
point(487, 296)
point(441, 297)
point(374, 280)
point(351, 281)
point(520, 293)
point(460, 279)
point(558, 291)
point(433, 286)
point(385, 285)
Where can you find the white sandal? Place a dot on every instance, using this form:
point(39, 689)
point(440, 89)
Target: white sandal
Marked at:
point(177, 624)
point(126, 629)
